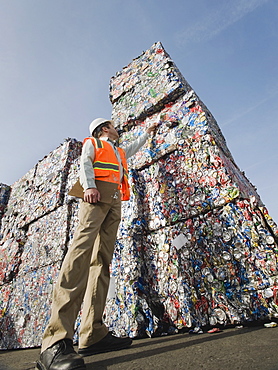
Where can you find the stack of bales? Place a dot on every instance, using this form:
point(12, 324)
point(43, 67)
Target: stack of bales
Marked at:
point(35, 233)
point(196, 246)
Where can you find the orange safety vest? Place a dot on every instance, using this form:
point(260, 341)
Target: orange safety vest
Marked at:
point(106, 165)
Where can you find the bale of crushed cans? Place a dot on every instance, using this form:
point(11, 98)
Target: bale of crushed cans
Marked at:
point(4, 197)
point(196, 246)
point(42, 189)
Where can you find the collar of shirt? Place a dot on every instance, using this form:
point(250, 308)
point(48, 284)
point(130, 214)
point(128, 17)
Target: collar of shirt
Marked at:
point(109, 141)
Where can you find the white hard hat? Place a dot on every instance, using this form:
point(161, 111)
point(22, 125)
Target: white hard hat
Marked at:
point(96, 122)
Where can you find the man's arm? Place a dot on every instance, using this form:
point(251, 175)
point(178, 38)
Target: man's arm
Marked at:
point(87, 173)
point(131, 149)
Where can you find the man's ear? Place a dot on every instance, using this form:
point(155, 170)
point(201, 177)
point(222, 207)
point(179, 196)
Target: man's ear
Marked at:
point(105, 129)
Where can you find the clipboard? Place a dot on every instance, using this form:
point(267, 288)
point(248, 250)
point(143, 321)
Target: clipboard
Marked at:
point(107, 191)
point(77, 190)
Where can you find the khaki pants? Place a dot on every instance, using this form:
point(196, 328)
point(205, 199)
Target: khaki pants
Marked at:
point(84, 276)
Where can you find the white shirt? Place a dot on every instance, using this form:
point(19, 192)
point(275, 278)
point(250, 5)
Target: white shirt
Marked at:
point(87, 173)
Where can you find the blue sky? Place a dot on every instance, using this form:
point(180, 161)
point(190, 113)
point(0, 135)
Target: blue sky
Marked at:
point(57, 57)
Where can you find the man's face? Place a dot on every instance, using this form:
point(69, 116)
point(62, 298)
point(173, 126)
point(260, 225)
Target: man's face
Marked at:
point(112, 133)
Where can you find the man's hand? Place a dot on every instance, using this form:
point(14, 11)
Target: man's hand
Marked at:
point(152, 127)
point(92, 195)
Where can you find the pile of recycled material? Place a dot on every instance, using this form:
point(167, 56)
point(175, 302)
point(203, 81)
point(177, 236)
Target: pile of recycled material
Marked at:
point(196, 247)
point(37, 227)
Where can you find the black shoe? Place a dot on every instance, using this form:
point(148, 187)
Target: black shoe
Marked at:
point(60, 356)
point(107, 344)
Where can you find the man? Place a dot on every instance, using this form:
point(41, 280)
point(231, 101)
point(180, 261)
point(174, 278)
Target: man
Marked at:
point(84, 275)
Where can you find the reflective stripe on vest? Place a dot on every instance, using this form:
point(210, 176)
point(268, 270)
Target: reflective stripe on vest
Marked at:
point(105, 166)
